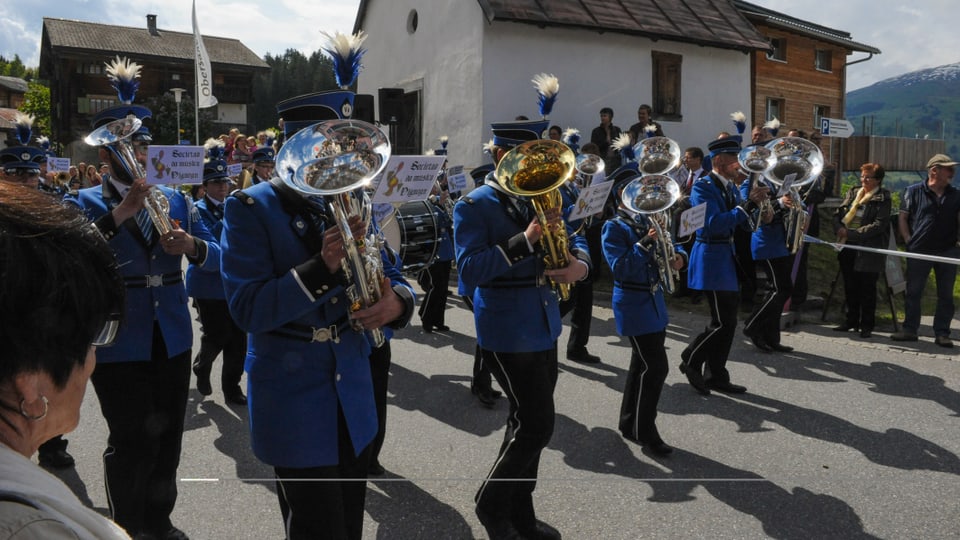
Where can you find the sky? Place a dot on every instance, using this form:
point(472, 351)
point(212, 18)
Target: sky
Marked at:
point(910, 35)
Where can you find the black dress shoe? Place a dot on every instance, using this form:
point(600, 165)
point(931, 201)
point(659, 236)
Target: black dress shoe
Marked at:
point(442, 328)
point(498, 528)
point(866, 334)
point(781, 348)
point(487, 396)
point(235, 396)
point(539, 531)
point(428, 329)
point(844, 328)
point(659, 448)
point(726, 387)
point(57, 459)
point(376, 469)
point(172, 533)
point(583, 357)
point(695, 378)
point(203, 383)
point(758, 340)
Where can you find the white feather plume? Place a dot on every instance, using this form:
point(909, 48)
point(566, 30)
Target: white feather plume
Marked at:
point(23, 119)
point(344, 43)
point(772, 124)
point(488, 147)
point(212, 143)
point(429, 152)
point(443, 139)
point(650, 129)
point(43, 140)
point(123, 69)
point(547, 85)
point(570, 132)
point(738, 117)
point(621, 142)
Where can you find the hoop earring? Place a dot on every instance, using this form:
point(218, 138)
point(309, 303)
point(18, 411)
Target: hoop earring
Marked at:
point(41, 416)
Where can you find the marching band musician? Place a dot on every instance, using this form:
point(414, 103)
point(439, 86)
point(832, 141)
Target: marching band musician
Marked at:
point(311, 398)
point(219, 332)
point(263, 164)
point(768, 246)
point(435, 278)
point(518, 322)
point(142, 381)
point(713, 267)
point(629, 241)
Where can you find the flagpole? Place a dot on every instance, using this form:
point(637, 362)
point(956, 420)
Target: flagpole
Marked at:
point(196, 82)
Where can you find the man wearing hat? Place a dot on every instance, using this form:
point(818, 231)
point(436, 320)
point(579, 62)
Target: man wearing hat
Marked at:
point(142, 381)
point(713, 266)
point(313, 413)
point(220, 332)
point(263, 164)
point(21, 164)
point(928, 224)
point(518, 322)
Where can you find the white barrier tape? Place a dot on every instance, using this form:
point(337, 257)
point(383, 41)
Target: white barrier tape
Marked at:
point(891, 252)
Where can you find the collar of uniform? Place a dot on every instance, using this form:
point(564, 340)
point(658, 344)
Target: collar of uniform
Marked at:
point(114, 186)
point(216, 203)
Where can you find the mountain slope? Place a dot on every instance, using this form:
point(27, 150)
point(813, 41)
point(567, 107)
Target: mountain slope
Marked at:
point(924, 103)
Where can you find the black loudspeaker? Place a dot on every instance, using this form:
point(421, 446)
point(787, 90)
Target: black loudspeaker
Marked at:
point(363, 108)
point(391, 105)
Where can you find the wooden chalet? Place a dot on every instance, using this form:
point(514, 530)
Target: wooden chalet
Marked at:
point(73, 56)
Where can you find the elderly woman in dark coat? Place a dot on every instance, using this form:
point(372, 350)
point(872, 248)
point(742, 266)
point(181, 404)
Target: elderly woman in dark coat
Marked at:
point(863, 220)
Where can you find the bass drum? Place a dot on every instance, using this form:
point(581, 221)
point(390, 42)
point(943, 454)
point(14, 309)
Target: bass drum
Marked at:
point(413, 233)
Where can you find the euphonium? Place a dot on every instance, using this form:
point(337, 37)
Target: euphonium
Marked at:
point(756, 160)
point(653, 195)
point(115, 136)
point(799, 162)
point(535, 170)
point(336, 160)
point(588, 165)
point(657, 155)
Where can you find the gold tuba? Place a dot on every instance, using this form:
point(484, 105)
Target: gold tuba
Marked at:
point(336, 160)
point(535, 170)
point(115, 136)
point(653, 195)
point(799, 162)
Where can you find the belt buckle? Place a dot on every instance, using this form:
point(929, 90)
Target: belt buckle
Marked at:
point(326, 334)
point(154, 281)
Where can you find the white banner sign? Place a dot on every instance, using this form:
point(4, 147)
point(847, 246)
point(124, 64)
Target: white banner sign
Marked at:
point(692, 219)
point(407, 179)
point(58, 164)
point(234, 169)
point(174, 164)
point(457, 180)
point(590, 201)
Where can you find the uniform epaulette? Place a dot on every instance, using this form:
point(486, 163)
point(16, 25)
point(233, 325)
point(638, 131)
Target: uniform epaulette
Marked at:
point(468, 199)
point(245, 198)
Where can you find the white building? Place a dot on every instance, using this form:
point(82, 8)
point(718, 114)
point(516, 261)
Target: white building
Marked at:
point(458, 65)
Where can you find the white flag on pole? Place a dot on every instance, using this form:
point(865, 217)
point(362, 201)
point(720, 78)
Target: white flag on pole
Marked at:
point(205, 97)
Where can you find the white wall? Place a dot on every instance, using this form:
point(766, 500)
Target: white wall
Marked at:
point(441, 58)
point(610, 70)
point(473, 73)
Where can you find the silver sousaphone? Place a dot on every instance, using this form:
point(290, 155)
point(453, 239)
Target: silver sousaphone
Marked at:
point(653, 195)
point(336, 160)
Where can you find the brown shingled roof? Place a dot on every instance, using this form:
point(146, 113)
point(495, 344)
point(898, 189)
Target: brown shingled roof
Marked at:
point(111, 39)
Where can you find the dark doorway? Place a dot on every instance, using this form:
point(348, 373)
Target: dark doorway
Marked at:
point(406, 134)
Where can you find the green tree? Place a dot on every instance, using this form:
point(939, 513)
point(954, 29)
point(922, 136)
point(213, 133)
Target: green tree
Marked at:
point(291, 74)
point(37, 102)
point(164, 126)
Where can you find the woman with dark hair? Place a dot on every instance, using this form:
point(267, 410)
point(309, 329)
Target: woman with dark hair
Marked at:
point(863, 219)
point(60, 297)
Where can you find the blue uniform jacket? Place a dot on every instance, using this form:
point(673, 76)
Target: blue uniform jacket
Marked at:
point(769, 241)
point(638, 302)
point(202, 282)
point(492, 257)
point(295, 386)
point(445, 252)
point(167, 305)
point(713, 263)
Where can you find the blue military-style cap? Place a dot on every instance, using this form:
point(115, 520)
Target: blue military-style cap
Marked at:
point(264, 153)
point(510, 134)
point(303, 111)
point(22, 157)
point(124, 75)
point(215, 166)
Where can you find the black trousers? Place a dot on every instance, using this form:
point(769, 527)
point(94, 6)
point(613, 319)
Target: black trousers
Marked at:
point(314, 504)
point(712, 346)
point(144, 404)
point(434, 280)
point(581, 306)
point(765, 317)
point(380, 373)
point(220, 333)
point(860, 292)
point(528, 380)
point(746, 265)
point(482, 378)
point(641, 393)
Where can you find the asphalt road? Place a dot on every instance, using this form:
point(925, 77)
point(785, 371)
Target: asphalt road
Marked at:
point(844, 438)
